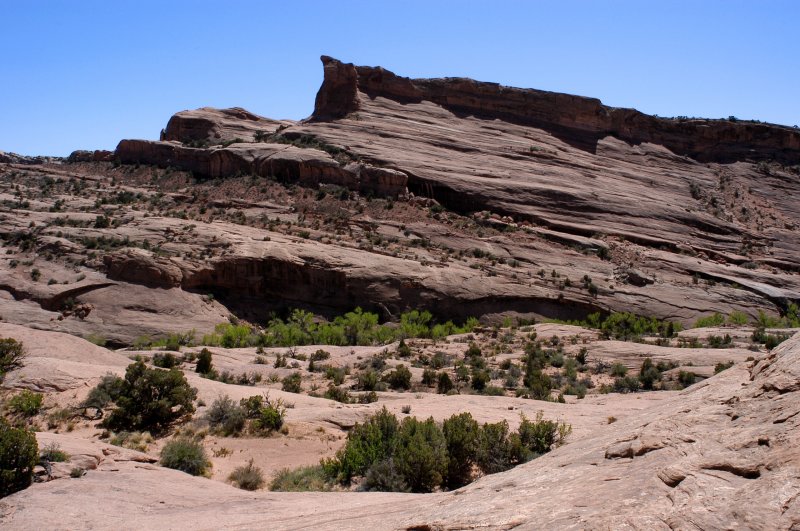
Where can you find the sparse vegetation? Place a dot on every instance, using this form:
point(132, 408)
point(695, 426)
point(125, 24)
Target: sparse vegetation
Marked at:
point(247, 477)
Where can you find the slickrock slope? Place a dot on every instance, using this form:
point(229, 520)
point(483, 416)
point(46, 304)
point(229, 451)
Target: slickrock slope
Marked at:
point(720, 452)
point(671, 203)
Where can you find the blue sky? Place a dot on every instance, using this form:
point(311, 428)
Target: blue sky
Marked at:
point(85, 74)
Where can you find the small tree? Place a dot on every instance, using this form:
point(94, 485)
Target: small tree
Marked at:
point(11, 354)
point(19, 453)
point(420, 454)
point(204, 365)
point(149, 399)
point(462, 433)
point(399, 378)
point(444, 384)
point(649, 374)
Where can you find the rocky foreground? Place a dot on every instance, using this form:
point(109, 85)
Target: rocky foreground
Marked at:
point(720, 454)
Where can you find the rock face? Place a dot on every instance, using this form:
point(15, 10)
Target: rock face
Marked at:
point(577, 120)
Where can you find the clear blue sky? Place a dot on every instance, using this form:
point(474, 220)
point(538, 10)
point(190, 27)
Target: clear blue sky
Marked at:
point(85, 74)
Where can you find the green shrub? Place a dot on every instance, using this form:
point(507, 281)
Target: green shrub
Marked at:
point(367, 380)
point(185, 455)
point(399, 378)
point(480, 379)
point(462, 434)
point(715, 319)
point(649, 374)
point(303, 479)
point(166, 360)
point(26, 403)
point(383, 476)
point(737, 318)
point(105, 392)
point(247, 477)
point(269, 417)
point(626, 384)
point(11, 354)
point(618, 370)
point(19, 454)
point(292, 383)
point(204, 365)
point(53, 453)
point(403, 350)
point(540, 435)
point(719, 367)
point(429, 377)
point(686, 378)
point(149, 399)
point(494, 452)
point(366, 444)
point(444, 384)
point(420, 454)
point(338, 394)
point(226, 416)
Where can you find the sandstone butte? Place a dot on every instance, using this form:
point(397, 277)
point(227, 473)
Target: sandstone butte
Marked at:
point(460, 197)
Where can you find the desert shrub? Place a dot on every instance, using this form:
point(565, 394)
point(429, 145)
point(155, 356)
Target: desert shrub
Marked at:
point(185, 455)
point(383, 476)
point(686, 378)
point(166, 360)
point(26, 403)
point(303, 479)
point(618, 370)
point(399, 378)
point(720, 341)
point(226, 416)
point(204, 365)
point(403, 350)
point(480, 379)
point(366, 444)
point(53, 454)
point(420, 454)
point(292, 383)
point(627, 326)
point(338, 394)
point(494, 452)
point(269, 417)
point(540, 435)
point(368, 397)
point(109, 388)
point(773, 341)
point(429, 377)
point(337, 374)
point(462, 434)
point(715, 319)
point(473, 351)
point(367, 380)
point(444, 384)
point(149, 399)
point(539, 385)
point(737, 318)
point(247, 477)
point(626, 384)
point(11, 354)
point(719, 367)
point(580, 357)
point(135, 440)
point(19, 454)
point(439, 360)
point(649, 374)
